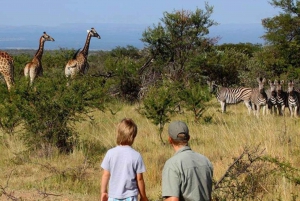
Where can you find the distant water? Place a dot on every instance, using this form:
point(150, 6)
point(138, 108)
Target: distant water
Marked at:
point(73, 36)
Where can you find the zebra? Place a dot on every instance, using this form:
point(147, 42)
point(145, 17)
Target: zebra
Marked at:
point(259, 97)
point(293, 99)
point(281, 98)
point(231, 95)
point(271, 94)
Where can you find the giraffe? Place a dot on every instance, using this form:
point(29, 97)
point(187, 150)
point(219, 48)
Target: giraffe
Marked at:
point(34, 68)
point(7, 69)
point(79, 63)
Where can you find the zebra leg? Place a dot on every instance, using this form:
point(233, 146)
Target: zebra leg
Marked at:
point(254, 109)
point(283, 110)
point(291, 110)
point(280, 110)
point(264, 109)
point(248, 105)
point(257, 111)
point(223, 106)
point(269, 108)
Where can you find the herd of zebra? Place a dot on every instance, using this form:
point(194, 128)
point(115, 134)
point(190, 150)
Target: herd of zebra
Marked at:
point(274, 98)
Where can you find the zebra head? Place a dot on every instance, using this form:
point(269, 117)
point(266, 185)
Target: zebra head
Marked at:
point(261, 83)
point(272, 88)
point(212, 86)
point(279, 86)
point(291, 87)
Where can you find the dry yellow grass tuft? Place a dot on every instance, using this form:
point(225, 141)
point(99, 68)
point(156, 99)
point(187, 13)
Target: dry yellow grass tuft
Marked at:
point(77, 176)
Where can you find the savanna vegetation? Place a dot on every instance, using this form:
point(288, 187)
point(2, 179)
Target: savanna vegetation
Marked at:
point(54, 135)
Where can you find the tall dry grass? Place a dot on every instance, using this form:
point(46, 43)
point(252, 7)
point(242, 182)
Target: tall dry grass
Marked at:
point(77, 176)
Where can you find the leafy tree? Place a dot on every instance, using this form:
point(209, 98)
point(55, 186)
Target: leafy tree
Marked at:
point(178, 37)
point(282, 31)
point(9, 116)
point(247, 48)
point(121, 68)
point(50, 108)
point(222, 66)
point(57, 59)
point(265, 63)
point(19, 63)
point(96, 61)
point(128, 51)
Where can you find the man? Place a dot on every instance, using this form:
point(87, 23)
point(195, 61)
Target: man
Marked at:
point(187, 175)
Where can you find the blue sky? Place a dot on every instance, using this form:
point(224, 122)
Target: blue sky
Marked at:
point(57, 12)
point(125, 20)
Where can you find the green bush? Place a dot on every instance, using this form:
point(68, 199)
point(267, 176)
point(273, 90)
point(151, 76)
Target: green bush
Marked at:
point(49, 109)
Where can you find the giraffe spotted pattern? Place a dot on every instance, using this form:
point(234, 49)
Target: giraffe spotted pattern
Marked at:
point(7, 68)
point(79, 64)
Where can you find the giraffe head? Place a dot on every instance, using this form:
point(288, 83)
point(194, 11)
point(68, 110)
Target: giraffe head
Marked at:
point(94, 33)
point(46, 37)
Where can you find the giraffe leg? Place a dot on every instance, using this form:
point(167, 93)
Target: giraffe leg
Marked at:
point(9, 82)
point(26, 70)
point(32, 75)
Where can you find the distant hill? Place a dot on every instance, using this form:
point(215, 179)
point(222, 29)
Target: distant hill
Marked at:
point(73, 36)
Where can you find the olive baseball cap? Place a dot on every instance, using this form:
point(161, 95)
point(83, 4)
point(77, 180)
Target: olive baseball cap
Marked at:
point(178, 127)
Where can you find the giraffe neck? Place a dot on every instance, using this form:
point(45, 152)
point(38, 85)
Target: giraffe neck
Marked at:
point(40, 51)
point(85, 49)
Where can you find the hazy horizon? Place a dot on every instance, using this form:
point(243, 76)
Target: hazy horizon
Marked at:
point(73, 36)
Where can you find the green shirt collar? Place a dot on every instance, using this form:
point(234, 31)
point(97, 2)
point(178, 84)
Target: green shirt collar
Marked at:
point(182, 149)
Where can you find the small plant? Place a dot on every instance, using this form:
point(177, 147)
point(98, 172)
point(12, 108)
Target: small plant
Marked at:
point(194, 98)
point(158, 107)
point(207, 119)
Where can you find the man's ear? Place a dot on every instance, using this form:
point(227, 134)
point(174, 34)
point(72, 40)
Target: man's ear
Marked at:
point(170, 140)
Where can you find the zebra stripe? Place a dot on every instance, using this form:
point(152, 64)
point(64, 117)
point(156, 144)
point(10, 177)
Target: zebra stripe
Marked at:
point(281, 98)
point(259, 97)
point(231, 95)
point(271, 94)
point(293, 99)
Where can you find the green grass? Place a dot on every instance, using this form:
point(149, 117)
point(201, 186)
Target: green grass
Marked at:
point(76, 177)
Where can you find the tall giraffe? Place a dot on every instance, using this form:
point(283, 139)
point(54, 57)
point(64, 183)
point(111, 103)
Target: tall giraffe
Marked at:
point(34, 68)
point(79, 63)
point(7, 69)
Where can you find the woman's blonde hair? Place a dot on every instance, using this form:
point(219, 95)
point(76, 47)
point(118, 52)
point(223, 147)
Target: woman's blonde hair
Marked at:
point(126, 132)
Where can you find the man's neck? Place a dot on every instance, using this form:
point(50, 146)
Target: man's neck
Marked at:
point(177, 147)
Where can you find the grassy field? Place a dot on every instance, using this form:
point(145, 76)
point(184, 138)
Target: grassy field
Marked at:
point(48, 175)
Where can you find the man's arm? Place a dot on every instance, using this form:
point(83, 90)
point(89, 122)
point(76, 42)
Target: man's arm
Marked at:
point(141, 187)
point(104, 184)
